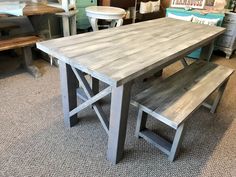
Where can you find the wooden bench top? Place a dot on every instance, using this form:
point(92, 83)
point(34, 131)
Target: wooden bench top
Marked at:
point(18, 42)
point(175, 98)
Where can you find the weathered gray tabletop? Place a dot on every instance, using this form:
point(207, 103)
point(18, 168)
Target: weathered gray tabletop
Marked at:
point(117, 56)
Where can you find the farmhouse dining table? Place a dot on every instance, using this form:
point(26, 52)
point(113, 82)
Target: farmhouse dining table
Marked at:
point(118, 56)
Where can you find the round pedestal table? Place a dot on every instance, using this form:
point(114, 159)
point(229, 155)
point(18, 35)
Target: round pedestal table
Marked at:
point(113, 14)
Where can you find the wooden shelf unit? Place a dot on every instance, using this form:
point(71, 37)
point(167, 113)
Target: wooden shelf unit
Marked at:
point(147, 16)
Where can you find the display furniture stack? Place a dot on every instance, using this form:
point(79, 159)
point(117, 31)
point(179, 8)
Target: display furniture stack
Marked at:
point(227, 41)
point(182, 12)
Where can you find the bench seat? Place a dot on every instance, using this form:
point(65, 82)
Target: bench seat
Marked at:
point(18, 42)
point(174, 99)
point(25, 43)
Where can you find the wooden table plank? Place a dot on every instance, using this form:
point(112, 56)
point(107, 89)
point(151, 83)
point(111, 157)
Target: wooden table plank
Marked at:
point(37, 9)
point(118, 55)
point(18, 42)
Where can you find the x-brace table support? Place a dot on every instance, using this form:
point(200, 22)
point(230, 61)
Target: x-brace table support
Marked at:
point(92, 99)
point(120, 100)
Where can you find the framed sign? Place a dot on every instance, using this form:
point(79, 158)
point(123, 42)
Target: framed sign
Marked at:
point(196, 4)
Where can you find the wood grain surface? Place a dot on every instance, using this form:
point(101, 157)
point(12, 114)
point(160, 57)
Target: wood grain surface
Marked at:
point(40, 9)
point(176, 97)
point(119, 55)
point(18, 42)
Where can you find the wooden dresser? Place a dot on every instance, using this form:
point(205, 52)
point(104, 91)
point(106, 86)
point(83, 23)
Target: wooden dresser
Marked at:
point(227, 41)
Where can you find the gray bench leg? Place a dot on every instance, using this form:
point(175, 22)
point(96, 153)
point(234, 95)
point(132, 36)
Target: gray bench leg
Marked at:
point(171, 149)
point(176, 143)
point(141, 122)
point(218, 97)
point(28, 62)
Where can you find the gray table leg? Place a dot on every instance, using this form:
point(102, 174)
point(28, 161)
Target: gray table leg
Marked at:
point(73, 25)
point(69, 84)
point(207, 51)
point(120, 101)
point(28, 62)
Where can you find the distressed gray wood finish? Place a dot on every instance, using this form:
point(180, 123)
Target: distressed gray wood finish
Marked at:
point(141, 122)
point(176, 143)
point(95, 85)
point(169, 148)
point(218, 97)
point(69, 84)
point(92, 99)
point(156, 140)
point(118, 121)
point(172, 101)
point(119, 55)
point(175, 98)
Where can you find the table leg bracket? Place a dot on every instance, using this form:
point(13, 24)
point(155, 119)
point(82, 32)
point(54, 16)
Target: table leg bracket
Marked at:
point(91, 99)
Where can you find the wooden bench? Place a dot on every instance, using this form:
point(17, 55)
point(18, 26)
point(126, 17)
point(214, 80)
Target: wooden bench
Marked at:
point(25, 43)
point(174, 99)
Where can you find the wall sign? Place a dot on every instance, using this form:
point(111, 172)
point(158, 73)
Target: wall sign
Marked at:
point(196, 4)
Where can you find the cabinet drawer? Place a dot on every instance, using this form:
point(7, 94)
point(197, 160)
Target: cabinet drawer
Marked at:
point(229, 18)
point(230, 28)
point(224, 41)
